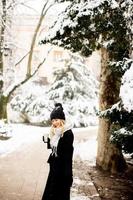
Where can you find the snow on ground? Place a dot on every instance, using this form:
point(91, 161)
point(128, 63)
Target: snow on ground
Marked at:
point(86, 151)
point(78, 182)
point(80, 197)
point(85, 146)
point(23, 135)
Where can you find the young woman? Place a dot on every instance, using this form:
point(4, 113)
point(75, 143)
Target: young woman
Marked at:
point(60, 176)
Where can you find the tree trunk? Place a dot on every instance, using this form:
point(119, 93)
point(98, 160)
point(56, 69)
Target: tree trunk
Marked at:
point(2, 30)
point(109, 157)
point(3, 107)
point(3, 100)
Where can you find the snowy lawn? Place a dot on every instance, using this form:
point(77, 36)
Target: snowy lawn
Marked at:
point(86, 151)
point(23, 135)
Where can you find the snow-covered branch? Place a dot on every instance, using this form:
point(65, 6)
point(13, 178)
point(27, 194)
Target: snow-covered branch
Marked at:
point(16, 85)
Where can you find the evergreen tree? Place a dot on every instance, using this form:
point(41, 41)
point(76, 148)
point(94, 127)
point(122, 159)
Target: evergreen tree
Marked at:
point(75, 87)
point(106, 25)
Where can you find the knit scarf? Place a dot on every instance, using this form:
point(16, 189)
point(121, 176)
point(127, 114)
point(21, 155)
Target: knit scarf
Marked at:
point(55, 139)
point(57, 134)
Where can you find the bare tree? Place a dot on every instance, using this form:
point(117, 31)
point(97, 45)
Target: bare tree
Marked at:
point(5, 95)
point(46, 7)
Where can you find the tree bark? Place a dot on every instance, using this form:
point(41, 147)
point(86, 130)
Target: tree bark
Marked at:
point(2, 30)
point(3, 100)
point(109, 157)
point(3, 107)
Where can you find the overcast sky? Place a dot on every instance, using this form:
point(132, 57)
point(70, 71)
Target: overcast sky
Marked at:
point(30, 7)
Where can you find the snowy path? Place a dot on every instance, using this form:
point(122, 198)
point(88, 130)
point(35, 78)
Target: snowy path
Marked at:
point(22, 135)
point(23, 158)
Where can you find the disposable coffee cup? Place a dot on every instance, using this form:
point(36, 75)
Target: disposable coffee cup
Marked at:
point(45, 138)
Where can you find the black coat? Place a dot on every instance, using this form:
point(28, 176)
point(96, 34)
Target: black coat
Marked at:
point(60, 176)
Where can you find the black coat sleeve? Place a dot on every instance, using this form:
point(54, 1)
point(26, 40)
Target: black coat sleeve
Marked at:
point(65, 152)
point(48, 144)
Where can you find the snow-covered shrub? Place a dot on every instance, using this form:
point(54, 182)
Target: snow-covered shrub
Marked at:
point(76, 88)
point(30, 105)
point(124, 139)
point(5, 129)
point(73, 85)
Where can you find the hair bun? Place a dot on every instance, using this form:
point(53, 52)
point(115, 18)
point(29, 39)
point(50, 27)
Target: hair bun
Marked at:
point(58, 105)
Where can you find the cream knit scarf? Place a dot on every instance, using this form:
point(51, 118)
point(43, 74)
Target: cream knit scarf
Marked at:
point(55, 139)
point(57, 134)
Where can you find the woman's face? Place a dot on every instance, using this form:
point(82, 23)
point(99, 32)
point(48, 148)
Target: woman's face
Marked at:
point(56, 123)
